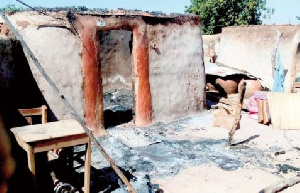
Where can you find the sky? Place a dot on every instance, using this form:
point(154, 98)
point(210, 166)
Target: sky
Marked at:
point(285, 10)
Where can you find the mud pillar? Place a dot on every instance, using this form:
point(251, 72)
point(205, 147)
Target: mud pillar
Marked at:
point(91, 84)
point(142, 94)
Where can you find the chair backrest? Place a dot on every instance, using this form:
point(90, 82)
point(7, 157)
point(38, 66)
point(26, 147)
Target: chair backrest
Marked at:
point(40, 111)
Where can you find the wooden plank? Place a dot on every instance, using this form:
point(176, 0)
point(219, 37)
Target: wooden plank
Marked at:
point(223, 119)
point(227, 101)
point(60, 143)
point(28, 113)
point(284, 110)
point(266, 118)
point(40, 132)
point(31, 112)
point(22, 143)
point(238, 113)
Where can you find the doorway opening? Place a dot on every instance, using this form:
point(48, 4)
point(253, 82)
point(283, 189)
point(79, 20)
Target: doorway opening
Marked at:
point(116, 76)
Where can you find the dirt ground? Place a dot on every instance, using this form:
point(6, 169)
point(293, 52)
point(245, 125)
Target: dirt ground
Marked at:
point(213, 179)
point(248, 178)
point(190, 155)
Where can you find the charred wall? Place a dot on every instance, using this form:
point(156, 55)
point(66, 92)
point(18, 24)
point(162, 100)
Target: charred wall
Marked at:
point(115, 55)
point(116, 76)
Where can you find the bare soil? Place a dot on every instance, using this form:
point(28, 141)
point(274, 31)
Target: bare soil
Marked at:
point(190, 155)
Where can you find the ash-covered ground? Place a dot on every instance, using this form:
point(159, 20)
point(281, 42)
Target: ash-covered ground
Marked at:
point(157, 151)
point(117, 106)
point(117, 100)
point(162, 150)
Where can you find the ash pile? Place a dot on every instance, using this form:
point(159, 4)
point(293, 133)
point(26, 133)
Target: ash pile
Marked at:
point(117, 107)
point(153, 152)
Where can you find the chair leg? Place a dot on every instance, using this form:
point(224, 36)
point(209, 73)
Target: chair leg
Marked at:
point(87, 168)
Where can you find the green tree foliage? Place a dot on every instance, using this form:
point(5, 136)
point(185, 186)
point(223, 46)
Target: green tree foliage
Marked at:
point(216, 14)
point(11, 7)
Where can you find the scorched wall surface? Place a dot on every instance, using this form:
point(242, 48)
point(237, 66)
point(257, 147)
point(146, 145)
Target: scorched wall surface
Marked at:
point(116, 65)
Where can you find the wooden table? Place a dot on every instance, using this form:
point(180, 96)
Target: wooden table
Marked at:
point(53, 135)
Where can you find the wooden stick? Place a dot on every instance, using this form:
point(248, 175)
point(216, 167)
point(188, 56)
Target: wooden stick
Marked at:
point(281, 185)
point(265, 112)
point(44, 114)
point(238, 113)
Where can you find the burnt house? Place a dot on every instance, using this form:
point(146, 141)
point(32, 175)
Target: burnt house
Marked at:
point(154, 61)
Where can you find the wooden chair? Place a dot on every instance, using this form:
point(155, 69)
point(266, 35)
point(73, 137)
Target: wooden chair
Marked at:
point(41, 111)
point(53, 135)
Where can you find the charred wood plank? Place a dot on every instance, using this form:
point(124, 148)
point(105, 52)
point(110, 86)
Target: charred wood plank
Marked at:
point(238, 113)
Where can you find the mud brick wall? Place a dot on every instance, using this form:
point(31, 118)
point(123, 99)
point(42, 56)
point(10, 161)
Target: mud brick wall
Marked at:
point(296, 57)
point(167, 80)
point(59, 52)
point(250, 48)
point(176, 70)
point(167, 64)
